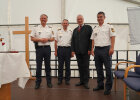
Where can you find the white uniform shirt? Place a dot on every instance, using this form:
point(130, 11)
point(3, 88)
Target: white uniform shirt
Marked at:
point(42, 32)
point(101, 35)
point(63, 38)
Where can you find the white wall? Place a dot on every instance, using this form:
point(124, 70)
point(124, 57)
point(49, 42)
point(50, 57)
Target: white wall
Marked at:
point(3, 11)
point(32, 8)
point(116, 10)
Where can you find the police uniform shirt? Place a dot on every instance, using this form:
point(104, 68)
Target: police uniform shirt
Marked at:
point(42, 32)
point(63, 38)
point(101, 35)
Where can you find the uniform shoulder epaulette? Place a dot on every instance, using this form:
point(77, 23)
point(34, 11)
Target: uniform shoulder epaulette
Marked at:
point(70, 30)
point(35, 25)
point(94, 27)
point(50, 26)
point(109, 23)
point(58, 29)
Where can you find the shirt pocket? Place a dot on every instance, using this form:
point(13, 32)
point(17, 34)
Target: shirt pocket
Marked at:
point(95, 34)
point(68, 37)
point(48, 34)
point(38, 33)
point(105, 33)
point(60, 35)
point(105, 30)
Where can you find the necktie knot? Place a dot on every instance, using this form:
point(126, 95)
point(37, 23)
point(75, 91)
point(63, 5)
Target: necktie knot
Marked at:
point(79, 29)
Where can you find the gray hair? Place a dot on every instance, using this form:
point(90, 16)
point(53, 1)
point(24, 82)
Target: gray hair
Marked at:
point(43, 15)
point(80, 16)
point(65, 20)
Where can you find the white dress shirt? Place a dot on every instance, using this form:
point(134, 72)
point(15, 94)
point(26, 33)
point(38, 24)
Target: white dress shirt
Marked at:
point(42, 32)
point(63, 38)
point(102, 34)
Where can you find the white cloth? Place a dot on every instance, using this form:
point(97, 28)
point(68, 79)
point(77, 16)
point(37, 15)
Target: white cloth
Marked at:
point(42, 32)
point(63, 38)
point(12, 67)
point(101, 35)
point(134, 24)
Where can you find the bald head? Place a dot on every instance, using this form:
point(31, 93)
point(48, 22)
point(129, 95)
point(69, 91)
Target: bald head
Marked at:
point(80, 20)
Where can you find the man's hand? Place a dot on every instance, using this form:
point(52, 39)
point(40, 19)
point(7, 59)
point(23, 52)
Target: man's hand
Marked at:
point(92, 53)
point(44, 40)
point(89, 52)
point(55, 53)
point(40, 40)
point(111, 51)
point(72, 54)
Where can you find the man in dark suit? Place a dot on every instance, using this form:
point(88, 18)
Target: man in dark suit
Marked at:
point(81, 47)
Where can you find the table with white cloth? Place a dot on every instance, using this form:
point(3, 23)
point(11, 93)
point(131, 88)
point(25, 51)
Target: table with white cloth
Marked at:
point(12, 67)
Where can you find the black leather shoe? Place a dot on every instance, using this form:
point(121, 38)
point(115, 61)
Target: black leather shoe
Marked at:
point(59, 82)
point(67, 82)
point(107, 92)
point(79, 84)
point(86, 86)
point(98, 88)
point(37, 85)
point(49, 85)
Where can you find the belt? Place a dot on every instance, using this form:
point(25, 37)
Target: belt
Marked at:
point(45, 46)
point(63, 46)
point(102, 47)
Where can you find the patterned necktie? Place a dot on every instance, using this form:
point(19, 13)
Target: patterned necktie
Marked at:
point(79, 29)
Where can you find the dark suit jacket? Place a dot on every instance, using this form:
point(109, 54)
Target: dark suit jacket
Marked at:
point(81, 42)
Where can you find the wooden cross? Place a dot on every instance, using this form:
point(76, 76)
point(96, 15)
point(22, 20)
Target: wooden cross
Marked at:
point(0, 39)
point(26, 32)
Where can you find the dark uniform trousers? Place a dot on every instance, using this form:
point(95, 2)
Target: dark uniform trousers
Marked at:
point(43, 53)
point(102, 57)
point(64, 56)
point(83, 66)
